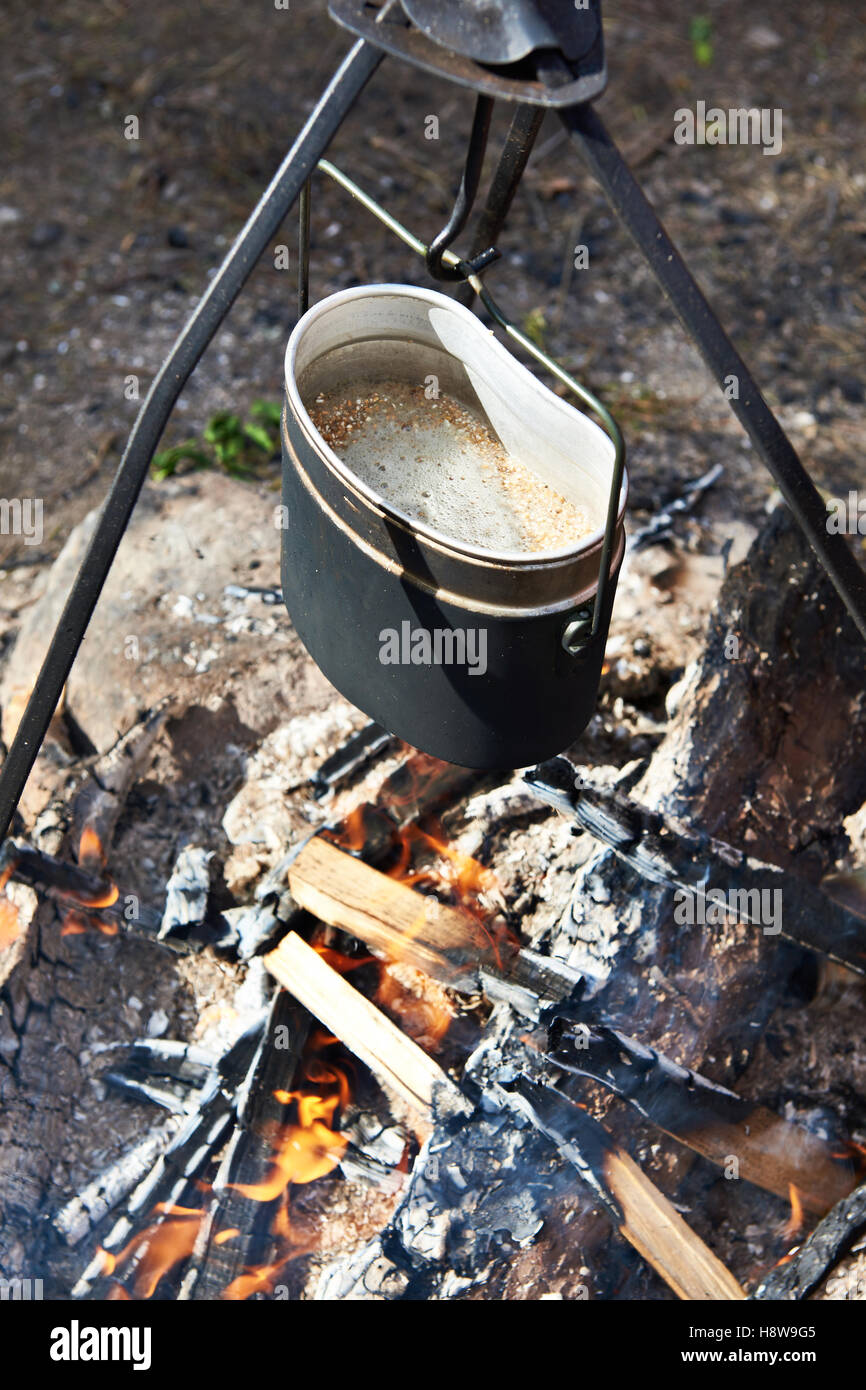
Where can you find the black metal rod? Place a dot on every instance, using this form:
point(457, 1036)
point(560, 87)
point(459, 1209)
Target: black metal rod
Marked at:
point(465, 194)
point(522, 134)
point(277, 200)
point(640, 219)
point(304, 248)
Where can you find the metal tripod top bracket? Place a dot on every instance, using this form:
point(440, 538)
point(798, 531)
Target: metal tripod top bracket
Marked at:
point(537, 52)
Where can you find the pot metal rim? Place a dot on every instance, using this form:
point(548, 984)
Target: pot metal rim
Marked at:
point(513, 559)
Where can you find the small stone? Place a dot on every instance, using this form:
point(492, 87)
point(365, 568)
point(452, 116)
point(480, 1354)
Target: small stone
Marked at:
point(45, 234)
point(157, 1023)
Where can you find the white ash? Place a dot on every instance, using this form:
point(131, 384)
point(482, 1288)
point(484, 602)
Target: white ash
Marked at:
point(368, 1275)
point(186, 892)
point(260, 814)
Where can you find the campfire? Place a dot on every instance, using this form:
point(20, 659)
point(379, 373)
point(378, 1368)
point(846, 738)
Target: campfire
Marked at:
point(483, 1043)
point(526, 959)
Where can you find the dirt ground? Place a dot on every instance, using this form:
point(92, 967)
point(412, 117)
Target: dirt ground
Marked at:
point(105, 244)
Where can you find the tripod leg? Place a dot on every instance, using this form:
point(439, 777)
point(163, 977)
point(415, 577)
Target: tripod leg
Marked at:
point(327, 117)
point(638, 216)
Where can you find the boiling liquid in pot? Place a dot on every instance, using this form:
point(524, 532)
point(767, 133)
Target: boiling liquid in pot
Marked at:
point(436, 460)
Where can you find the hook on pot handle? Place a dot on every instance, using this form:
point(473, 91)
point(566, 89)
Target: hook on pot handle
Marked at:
point(463, 205)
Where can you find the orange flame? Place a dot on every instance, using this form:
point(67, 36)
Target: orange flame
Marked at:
point(794, 1224)
point(260, 1279)
point(310, 1147)
point(425, 1012)
point(162, 1246)
point(465, 880)
point(90, 850)
point(76, 924)
point(303, 1152)
point(106, 899)
point(342, 964)
point(10, 926)
point(292, 1243)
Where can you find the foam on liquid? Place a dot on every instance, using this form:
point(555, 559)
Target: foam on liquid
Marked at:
point(438, 462)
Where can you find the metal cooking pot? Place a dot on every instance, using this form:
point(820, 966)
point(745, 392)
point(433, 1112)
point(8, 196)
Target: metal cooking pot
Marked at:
point(479, 657)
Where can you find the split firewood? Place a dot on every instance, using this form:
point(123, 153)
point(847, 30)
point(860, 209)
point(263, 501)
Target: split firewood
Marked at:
point(640, 1211)
point(415, 928)
point(408, 926)
point(715, 1122)
point(398, 1063)
point(419, 786)
point(801, 1273)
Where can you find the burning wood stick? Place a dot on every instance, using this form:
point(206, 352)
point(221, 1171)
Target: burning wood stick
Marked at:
point(238, 1232)
point(398, 1063)
point(416, 929)
point(408, 926)
point(170, 1183)
point(831, 1238)
point(418, 787)
point(709, 1118)
point(97, 807)
point(86, 807)
point(667, 852)
point(640, 1211)
point(643, 1214)
point(80, 890)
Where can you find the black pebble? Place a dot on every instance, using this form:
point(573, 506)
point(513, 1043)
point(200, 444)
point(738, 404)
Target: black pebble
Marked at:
point(45, 234)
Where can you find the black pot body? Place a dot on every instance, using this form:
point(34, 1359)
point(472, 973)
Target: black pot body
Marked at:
point(362, 610)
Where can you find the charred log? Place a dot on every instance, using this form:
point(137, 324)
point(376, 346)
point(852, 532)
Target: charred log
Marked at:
point(801, 1273)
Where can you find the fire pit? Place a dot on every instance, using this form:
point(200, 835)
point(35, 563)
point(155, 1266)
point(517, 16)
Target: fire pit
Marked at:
point(331, 1017)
